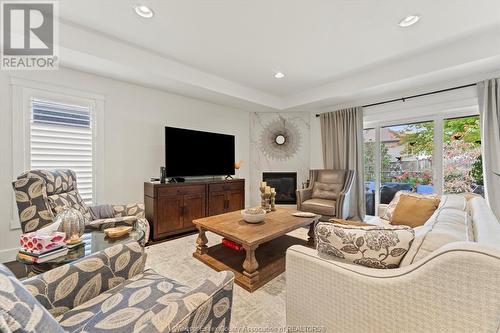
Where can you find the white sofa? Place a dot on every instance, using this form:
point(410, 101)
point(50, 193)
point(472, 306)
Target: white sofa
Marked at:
point(449, 281)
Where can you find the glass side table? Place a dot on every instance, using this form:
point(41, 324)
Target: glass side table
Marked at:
point(93, 241)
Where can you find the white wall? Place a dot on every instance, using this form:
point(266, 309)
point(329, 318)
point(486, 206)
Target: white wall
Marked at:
point(316, 151)
point(134, 121)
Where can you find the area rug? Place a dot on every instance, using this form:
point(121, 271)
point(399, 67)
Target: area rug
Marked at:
point(263, 309)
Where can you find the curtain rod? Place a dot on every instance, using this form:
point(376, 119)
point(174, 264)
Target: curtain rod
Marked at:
point(403, 99)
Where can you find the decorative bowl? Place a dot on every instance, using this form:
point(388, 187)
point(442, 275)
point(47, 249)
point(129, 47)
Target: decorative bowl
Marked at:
point(253, 215)
point(117, 231)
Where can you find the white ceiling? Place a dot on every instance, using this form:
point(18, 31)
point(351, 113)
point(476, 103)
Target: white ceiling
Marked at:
point(314, 42)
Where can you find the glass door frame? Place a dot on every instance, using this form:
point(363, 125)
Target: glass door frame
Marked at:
point(437, 156)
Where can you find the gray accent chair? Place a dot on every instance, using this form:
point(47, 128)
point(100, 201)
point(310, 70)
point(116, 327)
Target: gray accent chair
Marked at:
point(109, 291)
point(328, 194)
point(41, 194)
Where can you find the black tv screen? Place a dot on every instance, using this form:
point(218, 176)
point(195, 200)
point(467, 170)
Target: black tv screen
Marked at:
point(196, 153)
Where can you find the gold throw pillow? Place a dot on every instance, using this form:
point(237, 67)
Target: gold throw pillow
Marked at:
point(394, 202)
point(414, 211)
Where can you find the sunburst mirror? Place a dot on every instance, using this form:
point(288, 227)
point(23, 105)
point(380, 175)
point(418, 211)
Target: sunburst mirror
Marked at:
point(280, 139)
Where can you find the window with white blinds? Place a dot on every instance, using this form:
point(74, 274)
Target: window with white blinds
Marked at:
point(61, 137)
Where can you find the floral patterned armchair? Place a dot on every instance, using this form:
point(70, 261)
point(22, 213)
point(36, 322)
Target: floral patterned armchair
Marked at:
point(41, 194)
point(109, 291)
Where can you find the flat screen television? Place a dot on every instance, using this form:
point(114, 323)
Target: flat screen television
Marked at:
point(197, 153)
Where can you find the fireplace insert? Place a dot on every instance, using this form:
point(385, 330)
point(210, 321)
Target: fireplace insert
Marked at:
point(285, 184)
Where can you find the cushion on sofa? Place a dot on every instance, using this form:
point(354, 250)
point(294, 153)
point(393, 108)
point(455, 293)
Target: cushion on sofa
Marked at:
point(326, 190)
point(319, 206)
point(446, 226)
point(68, 286)
point(389, 210)
point(373, 246)
point(453, 201)
point(57, 181)
point(125, 307)
point(413, 211)
point(71, 199)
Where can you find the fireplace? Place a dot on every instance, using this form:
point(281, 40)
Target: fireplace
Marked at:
point(285, 184)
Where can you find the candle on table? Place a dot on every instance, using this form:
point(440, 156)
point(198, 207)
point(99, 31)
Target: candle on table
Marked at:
point(268, 189)
point(263, 184)
point(273, 190)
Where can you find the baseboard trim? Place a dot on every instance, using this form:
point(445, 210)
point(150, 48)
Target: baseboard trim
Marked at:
point(8, 255)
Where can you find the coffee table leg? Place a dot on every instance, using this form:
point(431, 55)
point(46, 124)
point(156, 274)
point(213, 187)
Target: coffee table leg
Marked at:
point(250, 264)
point(311, 239)
point(201, 242)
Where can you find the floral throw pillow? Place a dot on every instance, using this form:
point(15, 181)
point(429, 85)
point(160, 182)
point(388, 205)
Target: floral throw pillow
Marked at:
point(373, 246)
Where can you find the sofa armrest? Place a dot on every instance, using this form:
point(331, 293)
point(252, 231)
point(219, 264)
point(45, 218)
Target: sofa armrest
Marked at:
point(132, 209)
point(455, 289)
point(139, 223)
point(70, 285)
point(382, 208)
point(303, 195)
point(101, 224)
point(205, 308)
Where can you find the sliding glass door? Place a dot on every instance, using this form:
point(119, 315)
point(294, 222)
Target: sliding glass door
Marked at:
point(406, 153)
point(462, 161)
point(442, 155)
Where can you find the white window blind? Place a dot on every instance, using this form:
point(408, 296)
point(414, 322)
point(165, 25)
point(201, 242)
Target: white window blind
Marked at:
point(61, 138)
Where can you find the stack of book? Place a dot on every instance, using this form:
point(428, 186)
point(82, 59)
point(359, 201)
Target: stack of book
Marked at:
point(232, 245)
point(74, 245)
point(42, 256)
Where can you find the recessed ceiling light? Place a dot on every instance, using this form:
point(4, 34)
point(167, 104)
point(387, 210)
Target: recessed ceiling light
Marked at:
point(409, 20)
point(279, 75)
point(143, 11)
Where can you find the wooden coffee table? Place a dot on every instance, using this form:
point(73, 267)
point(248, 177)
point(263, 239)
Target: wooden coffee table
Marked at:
point(264, 244)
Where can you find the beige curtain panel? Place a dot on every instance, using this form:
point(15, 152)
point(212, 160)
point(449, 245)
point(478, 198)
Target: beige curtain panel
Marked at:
point(489, 110)
point(342, 143)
